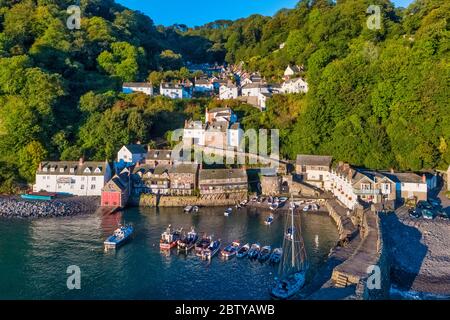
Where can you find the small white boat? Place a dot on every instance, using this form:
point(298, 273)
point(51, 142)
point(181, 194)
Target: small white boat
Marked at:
point(244, 203)
point(194, 209)
point(268, 220)
point(306, 208)
point(188, 209)
point(274, 206)
point(314, 207)
point(228, 212)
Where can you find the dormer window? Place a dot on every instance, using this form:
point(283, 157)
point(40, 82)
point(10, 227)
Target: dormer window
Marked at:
point(98, 170)
point(45, 169)
point(72, 170)
point(87, 170)
point(61, 169)
point(52, 169)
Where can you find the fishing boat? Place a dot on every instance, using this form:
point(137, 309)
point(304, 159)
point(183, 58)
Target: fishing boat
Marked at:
point(202, 244)
point(212, 250)
point(194, 209)
point(268, 220)
point(188, 209)
point(306, 208)
point(188, 242)
point(169, 238)
point(264, 254)
point(276, 255)
point(244, 203)
point(274, 206)
point(228, 212)
point(293, 264)
point(254, 251)
point(243, 251)
point(230, 250)
point(119, 237)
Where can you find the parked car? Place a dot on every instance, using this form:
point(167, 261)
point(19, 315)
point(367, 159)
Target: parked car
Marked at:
point(424, 205)
point(442, 214)
point(428, 214)
point(414, 213)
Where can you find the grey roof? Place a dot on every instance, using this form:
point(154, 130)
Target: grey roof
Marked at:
point(184, 168)
point(344, 169)
point(313, 160)
point(254, 85)
point(405, 177)
point(235, 126)
point(137, 85)
point(222, 174)
point(159, 154)
point(161, 168)
point(218, 126)
point(202, 81)
point(136, 148)
point(116, 184)
point(143, 169)
point(295, 80)
point(171, 86)
point(193, 124)
point(219, 110)
point(78, 169)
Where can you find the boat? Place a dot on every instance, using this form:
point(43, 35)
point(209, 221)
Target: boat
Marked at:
point(119, 237)
point(314, 207)
point(283, 199)
point(238, 206)
point(230, 250)
point(274, 206)
point(243, 251)
point(188, 209)
point(202, 244)
point(45, 196)
point(276, 255)
point(228, 212)
point(268, 220)
point(264, 254)
point(254, 251)
point(306, 208)
point(293, 264)
point(244, 203)
point(194, 209)
point(169, 238)
point(188, 242)
point(212, 250)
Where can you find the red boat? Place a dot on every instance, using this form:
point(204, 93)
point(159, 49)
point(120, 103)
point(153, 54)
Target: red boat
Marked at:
point(169, 238)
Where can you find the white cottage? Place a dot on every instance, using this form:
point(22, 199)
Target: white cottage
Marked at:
point(228, 91)
point(175, 91)
point(82, 178)
point(144, 87)
point(203, 85)
point(132, 153)
point(295, 85)
point(254, 89)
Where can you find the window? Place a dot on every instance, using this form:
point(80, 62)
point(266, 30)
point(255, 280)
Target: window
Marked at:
point(82, 178)
point(92, 186)
point(93, 179)
point(82, 187)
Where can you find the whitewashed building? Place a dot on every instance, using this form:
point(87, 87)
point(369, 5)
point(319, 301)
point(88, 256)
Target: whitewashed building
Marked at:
point(228, 91)
point(254, 89)
point(296, 85)
point(194, 132)
point(314, 170)
point(234, 135)
point(203, 85)
point(291, 71)
point(144, 87)
point(79, 178)
point(262, 99)
point(175, 91)
point(409, 185)
point(132, 153)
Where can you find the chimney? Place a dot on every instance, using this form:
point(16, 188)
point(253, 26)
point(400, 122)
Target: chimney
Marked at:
point(392, 170)
point(424, 178)
point(81, 161)
point(138, 142)
point(40, 166)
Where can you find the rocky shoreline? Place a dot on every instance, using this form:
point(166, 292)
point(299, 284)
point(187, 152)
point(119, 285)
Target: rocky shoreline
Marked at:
point(14, 207)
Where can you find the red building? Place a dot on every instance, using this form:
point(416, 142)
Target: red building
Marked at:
point(116, 192)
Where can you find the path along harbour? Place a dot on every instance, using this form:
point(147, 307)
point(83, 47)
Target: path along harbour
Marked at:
point(35, 254)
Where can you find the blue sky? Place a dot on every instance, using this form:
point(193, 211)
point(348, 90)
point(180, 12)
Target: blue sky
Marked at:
point(198, 12)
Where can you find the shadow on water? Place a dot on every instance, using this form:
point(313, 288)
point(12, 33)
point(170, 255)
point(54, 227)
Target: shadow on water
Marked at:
point(406, 252)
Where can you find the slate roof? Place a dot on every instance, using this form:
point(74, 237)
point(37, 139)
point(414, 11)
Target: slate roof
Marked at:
point(137, 85)
point(136, 148)
point(159, 154)
point(313, 160)
point(222, 174)
point(184, 168)
point(78, 169)
point(404, 177)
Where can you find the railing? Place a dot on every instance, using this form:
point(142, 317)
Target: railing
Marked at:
point(367, 192)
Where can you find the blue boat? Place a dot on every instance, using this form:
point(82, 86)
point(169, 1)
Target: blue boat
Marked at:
point(120, 236)
point(268, 220)
point(254, 251)
point(264, 254)
point(211, 251)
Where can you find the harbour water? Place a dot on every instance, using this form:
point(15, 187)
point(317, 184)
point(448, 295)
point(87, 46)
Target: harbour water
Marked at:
point(35, 254)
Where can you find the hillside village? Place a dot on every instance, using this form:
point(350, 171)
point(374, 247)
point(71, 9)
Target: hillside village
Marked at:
point(230, 82)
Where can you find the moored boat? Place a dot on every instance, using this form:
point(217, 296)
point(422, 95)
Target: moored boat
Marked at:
point(120, 236)
point(228, 212)
point(212, 250)
point(264, 254)
point(194, 209)
point(188, 242)
point(276, 255)
point(202, 244)
point(169, 238)
point(268, 220)
point(188, 209)
point(293, 264)
point(243, 251)
point(254, 251)
point(274, 206)
point(230, 250)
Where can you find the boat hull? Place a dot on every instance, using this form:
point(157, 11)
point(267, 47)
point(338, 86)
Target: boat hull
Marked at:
point(292, 286)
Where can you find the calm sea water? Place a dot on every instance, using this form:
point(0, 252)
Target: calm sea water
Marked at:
point(34, 256)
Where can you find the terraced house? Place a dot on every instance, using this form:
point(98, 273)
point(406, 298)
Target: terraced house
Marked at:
point(223, 183)
point(314, 170)
point(79, 178)
point(183, 179)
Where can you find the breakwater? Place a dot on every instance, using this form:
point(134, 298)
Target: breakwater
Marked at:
point(19, 208)
point(148, 200)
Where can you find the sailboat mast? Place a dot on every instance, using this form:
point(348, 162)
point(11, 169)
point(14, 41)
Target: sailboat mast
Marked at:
point(293, 232)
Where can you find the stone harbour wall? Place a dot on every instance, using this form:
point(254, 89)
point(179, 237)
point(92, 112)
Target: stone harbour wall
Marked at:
point(149, 200)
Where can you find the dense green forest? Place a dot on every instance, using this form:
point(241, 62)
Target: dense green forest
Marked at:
point(377, 98)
